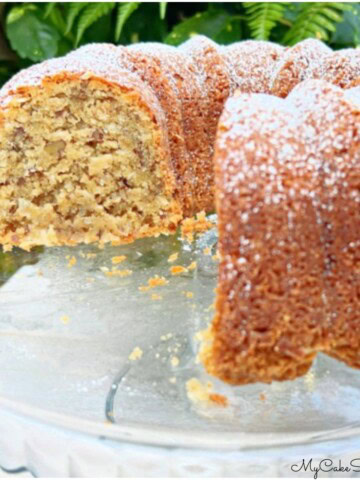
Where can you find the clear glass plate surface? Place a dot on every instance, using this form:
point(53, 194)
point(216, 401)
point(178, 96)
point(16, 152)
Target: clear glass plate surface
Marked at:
point(67, 330)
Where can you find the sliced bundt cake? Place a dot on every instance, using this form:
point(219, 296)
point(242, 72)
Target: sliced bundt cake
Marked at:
point(287, 182)
point(84, 156)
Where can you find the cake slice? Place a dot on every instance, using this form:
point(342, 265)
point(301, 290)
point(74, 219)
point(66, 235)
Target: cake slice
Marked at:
point(287, 182)
point(84, 156)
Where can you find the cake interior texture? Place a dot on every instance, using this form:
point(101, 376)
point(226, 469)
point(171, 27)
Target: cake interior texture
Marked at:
point(82, 161)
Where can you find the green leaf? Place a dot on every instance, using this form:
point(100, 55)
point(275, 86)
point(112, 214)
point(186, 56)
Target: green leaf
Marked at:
point(90, 14)
point(262, 17)
point(348, 31)
point(48, 9)
point(315, 19)
point(230, 33)
point(137, 28)
point(29, 35)
point(102, 31)
point(17, 12)
point(162, 8)
point(73, 11)
point(56, 18)
point(123, 13)
point(211, 23)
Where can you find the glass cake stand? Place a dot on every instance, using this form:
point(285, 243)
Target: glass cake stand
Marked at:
point(95, 367)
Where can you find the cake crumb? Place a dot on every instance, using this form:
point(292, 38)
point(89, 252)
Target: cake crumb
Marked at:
point(153, 282)
point(174, 361)
point(192, 266)
point(207, 251)
point(118, 259)
point(72, 261)
point(197, 224)
point(65, 319)
point(173, 257)
point(177, 270)
point(172, 380)
point(144, 288)
point(167, 336)
point(199, 393)
point(136, 354)
point(188, 294)
point(40, 273)
point(216, 257)
point(157, 281)
point(262, 397)
point(218, 399)
point(156, 296)
point(118, 273)
point(91, 255)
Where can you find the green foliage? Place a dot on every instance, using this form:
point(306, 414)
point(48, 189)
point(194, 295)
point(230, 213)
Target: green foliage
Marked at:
point(262, 17)
point(37, 31)
point(30, 35)
point(348, 31)
point(163, 7)
point(89, 15)
point(212, 23)
point(73, 10)
point(315, 20)
point(123, 13)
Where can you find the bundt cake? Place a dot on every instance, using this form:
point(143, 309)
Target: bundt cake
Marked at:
point(110, 144)
point(84, 156)
point(287, 183)
point(113, 143)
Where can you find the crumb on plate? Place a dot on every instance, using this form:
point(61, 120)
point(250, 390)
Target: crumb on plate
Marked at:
point(200, 393)
point(118, 259)
point(65, 319)
point(72, 261)
point(192, 225)
point(118, 273)
point(174, 361)
point(192, 266)
point(173, 257)
point(136, 354)
point(177, 270)
point(156, 296)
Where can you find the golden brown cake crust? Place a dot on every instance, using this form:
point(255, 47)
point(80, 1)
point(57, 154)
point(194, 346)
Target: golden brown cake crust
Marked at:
point(213, 74)
point(341, 68)
point(181, 72)
point(287, 203)
point(296, 64)
point(250, 64)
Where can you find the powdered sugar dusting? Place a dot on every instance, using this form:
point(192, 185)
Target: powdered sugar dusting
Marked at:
point(296, 64)
point(250, 64)
point(288, 200)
